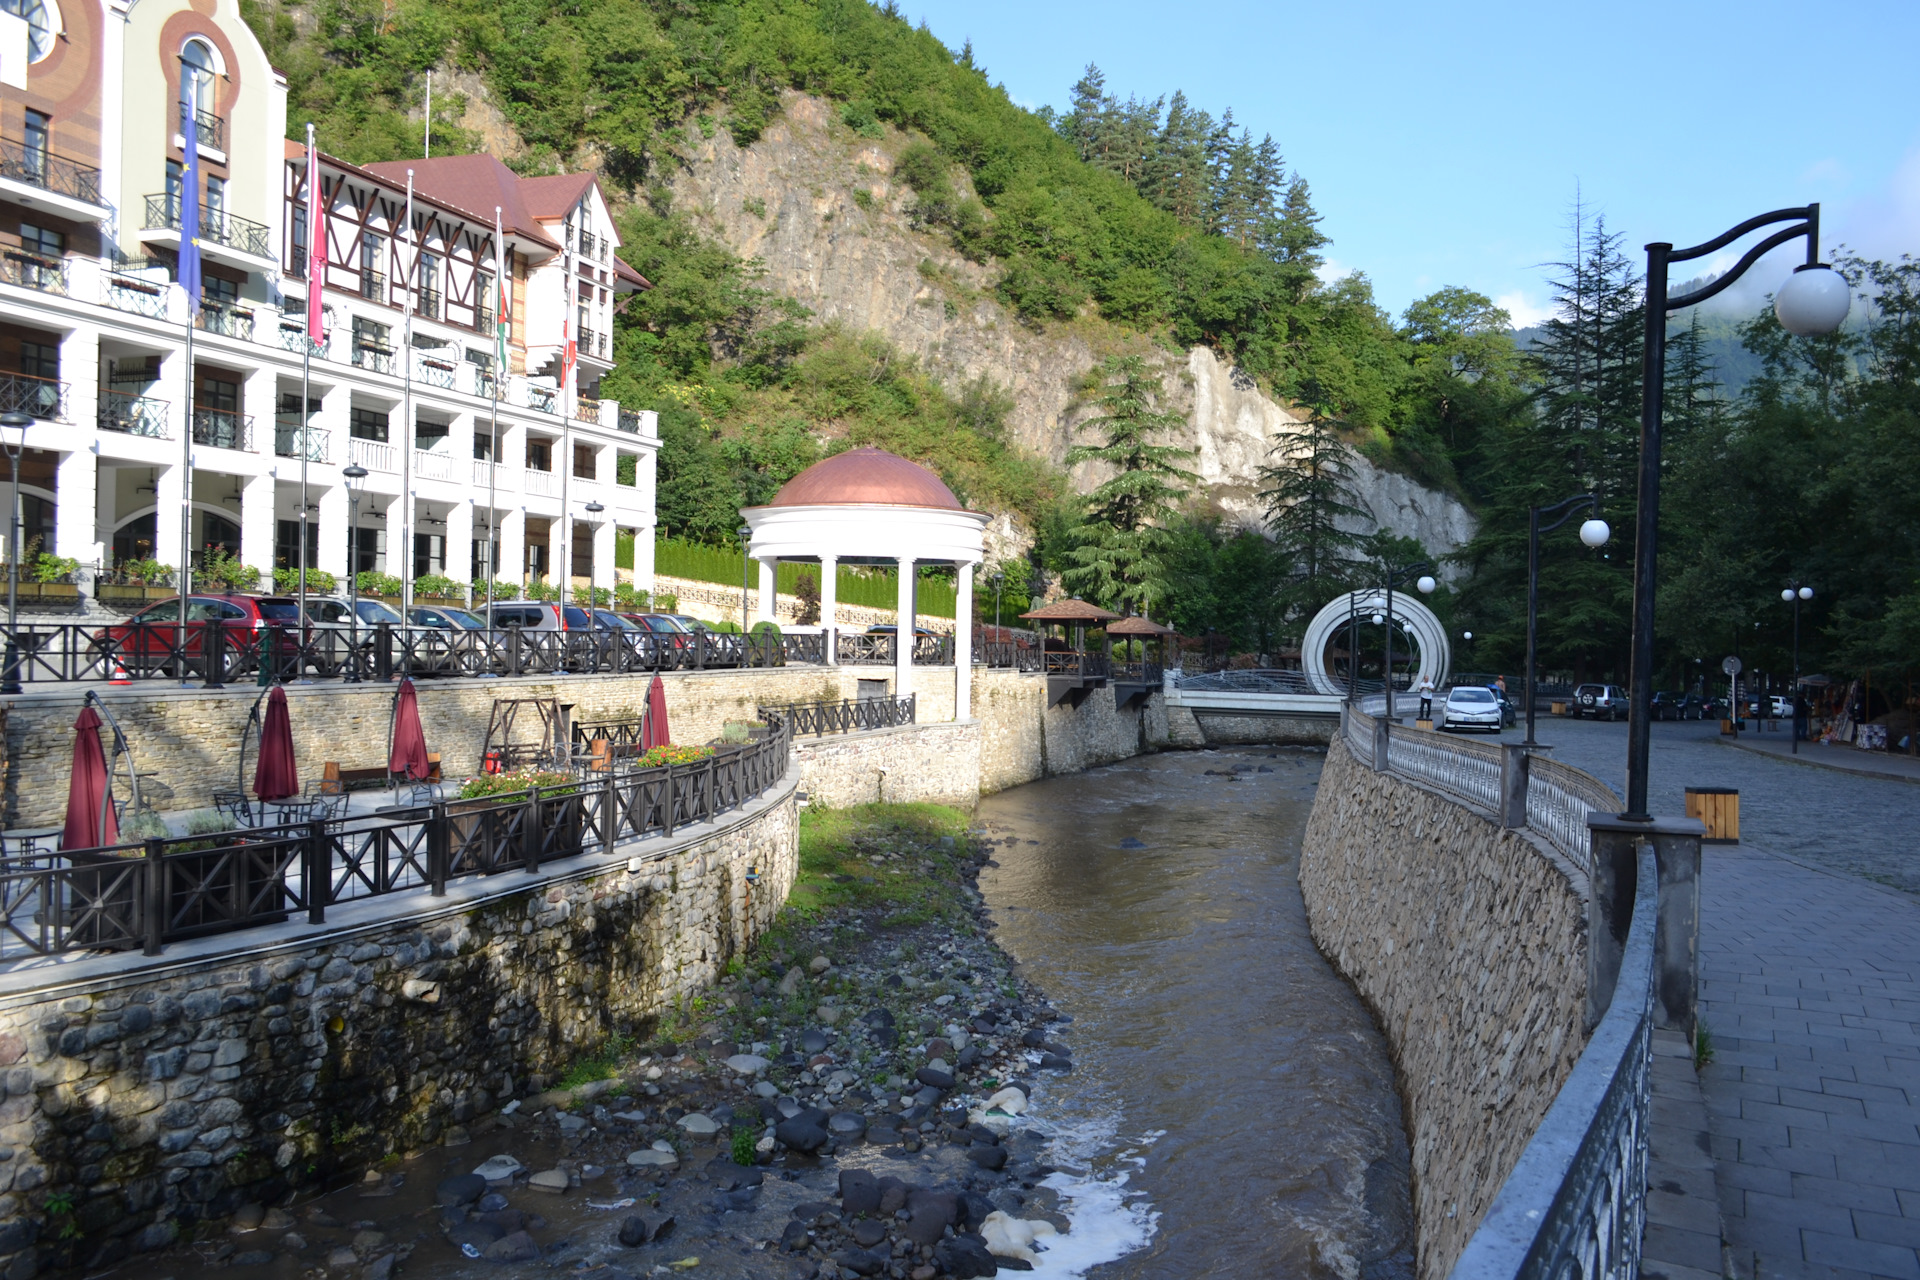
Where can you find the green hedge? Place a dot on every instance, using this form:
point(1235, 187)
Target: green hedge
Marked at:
point(873, 588)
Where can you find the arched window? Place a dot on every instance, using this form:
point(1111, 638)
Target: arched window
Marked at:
point(43, 23)
point(197, 70)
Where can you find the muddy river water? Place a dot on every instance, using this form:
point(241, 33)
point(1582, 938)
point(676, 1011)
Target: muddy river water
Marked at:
point(1222, 1067)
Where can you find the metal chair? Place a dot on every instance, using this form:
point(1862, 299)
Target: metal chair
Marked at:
point(234, 805)
point(329, 799)
point(419, 793)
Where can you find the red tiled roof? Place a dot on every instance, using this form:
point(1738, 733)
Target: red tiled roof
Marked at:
point(554, 196)
point(866, 477)
point(1137, 627)
point(1070, 611)
point(472, 184)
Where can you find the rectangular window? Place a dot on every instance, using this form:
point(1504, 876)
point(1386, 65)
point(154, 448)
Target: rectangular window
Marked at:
point(41, 241)
point(367, 424)
point(427, 433)
point(214, 392)
point(40, 360)
point(214, 289)
point(539, 454)
point(216, 195)
point(286, 541)
point(297, 268)
point(429, 554)
point(175, 177)
point(39, 141)
point(366, 551)
point(584, 461)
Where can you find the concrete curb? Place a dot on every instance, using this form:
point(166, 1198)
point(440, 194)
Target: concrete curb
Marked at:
point(1682, 1236)
point(1832, 765)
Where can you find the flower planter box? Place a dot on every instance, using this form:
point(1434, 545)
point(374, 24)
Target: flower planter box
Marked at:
point(124, 593)
point(50, 592)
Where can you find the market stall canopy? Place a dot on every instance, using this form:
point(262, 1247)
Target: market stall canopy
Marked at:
point(1073, 612)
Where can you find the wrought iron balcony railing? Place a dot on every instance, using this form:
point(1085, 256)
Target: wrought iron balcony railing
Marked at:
point(211, 128)
point(217, 225)
point(431, 303)
point(223, 429)
point(39, 167)
point(373, 357)
point(39, 397)
point(433, 373)
point(131, 293)
point(585, 409)
point(34, 271)
point(132, 415)
point(286, 438)
point(226, 320)
point(373, 286)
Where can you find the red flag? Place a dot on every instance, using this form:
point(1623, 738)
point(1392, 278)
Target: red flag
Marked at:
point(316, 243)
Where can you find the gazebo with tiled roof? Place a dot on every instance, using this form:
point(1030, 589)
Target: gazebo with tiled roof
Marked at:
point(868, 506)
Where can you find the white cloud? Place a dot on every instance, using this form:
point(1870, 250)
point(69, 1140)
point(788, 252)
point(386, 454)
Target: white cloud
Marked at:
point(1525, 312)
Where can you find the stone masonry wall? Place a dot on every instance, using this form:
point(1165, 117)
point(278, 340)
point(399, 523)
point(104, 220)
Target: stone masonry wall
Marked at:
point(1469, 943)
point(938, 763)
point(155, 1093)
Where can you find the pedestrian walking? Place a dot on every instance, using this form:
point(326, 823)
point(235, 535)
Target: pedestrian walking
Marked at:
point(1426, 697)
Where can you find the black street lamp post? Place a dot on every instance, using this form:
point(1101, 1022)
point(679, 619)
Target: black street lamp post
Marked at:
point(1594, 532)
point(1425, 584)
point(1794, 593)
point(354, 474)
point(1814, 300)
point(999, 581)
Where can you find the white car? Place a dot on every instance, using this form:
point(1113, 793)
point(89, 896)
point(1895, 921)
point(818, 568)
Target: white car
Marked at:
point(1471, 706)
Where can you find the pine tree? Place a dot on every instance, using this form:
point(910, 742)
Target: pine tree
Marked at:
point(1310, 494)
point(1121, 547)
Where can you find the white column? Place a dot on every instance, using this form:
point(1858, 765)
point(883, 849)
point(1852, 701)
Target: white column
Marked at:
point(963, 643)
point(513, 545)
point(256, 523)
point(643, 555)
point(763, 607)
point(903, 633)
point(830, 605)
point(604, 531)
point(75, 526)
point(460, 525)
point(331, 417)
point(169, 494)
point(330, 527)
point(386, 517)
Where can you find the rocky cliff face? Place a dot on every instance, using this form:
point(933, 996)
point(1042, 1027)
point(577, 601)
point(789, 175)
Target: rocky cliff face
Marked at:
point(818, 206)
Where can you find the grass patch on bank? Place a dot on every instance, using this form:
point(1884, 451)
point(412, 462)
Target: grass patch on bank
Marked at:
point(880, 856)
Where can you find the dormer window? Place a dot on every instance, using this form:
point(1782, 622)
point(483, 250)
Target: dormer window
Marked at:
point(42, 22)
point(196, 76)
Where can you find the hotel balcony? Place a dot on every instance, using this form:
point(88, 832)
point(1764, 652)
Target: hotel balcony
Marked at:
point(39, 179)
point(224, 237)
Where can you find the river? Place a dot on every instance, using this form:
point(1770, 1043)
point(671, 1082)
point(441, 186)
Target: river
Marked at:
point(1229, 1088)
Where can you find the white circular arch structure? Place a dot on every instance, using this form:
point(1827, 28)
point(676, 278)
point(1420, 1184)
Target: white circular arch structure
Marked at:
point(867, 505)
point(1429, 637)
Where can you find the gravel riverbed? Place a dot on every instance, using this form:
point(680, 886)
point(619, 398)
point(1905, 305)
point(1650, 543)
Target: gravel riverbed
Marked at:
point(855, 1098)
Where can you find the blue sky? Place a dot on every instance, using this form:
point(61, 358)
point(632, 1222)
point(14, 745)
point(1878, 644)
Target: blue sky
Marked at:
point(1444, 142)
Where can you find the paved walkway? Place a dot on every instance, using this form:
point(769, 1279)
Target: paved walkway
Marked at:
point(1811, 992)
point(1846, 758)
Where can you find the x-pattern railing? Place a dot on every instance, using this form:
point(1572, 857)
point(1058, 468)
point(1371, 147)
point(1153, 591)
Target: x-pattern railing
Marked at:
point(848, 715)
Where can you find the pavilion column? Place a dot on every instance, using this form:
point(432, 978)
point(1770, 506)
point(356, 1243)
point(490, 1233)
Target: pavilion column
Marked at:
point(768, 585)
point(963, 643)
point(903, 632)
point(829, 604)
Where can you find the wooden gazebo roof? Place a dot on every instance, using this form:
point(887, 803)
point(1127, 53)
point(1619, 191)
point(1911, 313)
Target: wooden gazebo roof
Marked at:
point(1138, 627)
point(1071, 611)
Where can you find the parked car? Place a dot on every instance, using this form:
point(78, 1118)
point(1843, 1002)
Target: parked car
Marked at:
point(146, 643)
point(1668, 706)
point(887, 629)
point(444, 618)
point(1509, 709)
point(608, 620)
point(324, 611)
point(1471, 706)
point(537, 615)
point(1600, 702)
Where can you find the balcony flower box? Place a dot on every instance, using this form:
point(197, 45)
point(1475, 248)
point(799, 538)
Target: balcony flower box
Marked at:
point(133, 594)
point(50, 592)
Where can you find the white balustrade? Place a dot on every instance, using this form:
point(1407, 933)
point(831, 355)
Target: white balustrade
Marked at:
point(374, 455)
point(430, 464)
point(545, 484)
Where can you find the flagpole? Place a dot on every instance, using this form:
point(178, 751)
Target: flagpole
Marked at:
point(187, 271)
point(306, 379)
point(406, 426)
point(500, 323)
point(566, 423)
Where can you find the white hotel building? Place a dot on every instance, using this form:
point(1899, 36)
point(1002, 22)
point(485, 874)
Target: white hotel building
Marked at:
point(92, 335)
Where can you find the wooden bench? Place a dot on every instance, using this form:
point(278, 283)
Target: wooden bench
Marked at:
point(334, 780)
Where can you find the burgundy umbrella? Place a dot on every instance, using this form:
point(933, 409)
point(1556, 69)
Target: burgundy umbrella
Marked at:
point(275, 777)
point(409, 739)
point(91, 823)
point(655, 732)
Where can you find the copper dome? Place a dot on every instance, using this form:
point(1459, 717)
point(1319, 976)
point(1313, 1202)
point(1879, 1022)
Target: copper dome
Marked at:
point(866, 477)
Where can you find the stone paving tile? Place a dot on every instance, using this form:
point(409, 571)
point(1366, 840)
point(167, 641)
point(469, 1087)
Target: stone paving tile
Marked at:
point(1811, 1106)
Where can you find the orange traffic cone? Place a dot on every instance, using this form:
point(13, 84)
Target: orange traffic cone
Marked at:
point(119, 675)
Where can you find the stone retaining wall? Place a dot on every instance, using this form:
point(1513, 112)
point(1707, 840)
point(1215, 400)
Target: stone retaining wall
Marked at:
point(938, 763)
point(1469, 943)
point(156, 1093)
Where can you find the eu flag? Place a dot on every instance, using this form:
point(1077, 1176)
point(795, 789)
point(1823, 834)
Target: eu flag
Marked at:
point(190, 199)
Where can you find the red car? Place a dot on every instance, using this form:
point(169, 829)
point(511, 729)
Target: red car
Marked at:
point(148, 643)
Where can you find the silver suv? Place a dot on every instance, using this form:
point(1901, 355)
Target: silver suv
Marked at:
point(1600, 701)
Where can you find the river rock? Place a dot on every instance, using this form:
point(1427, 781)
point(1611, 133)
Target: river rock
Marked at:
point(790, 982)
point(847, 1124)
point(829, 1014)
point(462, 1189)
point(492, 1202)
point(748, 1064)
point(859, 1191)
point(649, 1158)
point(1055, 1062)
point(801, 1133)
point(498, 1169)
point(868, 1233)
point(813, 1041)
point(551, 1181)
point(861, 1262)
point(247, 1218)
point(989, 1157)
point(819, 965)
point(632, 1233)
point(965, 1257)
point(701, 1126)
point(518, 1247)
point(934, 1077)
point(477, 1233)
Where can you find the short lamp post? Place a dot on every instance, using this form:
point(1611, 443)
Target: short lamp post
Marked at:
point(13, 437)
point(1814, 300)
point(354, 475)
point(1793, 594)
point(746, 563)
point(999, 581)
point(1425, 584)
point(1594, 533)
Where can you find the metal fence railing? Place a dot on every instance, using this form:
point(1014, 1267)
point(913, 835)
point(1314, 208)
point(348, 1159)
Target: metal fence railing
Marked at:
point(165, 890)
point(1574, 1203)
point(849, 715)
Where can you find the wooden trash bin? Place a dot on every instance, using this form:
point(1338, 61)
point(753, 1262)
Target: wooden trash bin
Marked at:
point(1557, 708)
point(1718, 809)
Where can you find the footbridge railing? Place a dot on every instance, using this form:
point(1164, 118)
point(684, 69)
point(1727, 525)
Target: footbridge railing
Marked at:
point(1574, 1203)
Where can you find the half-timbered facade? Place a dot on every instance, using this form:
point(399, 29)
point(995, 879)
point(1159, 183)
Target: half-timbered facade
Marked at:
point(406, 385)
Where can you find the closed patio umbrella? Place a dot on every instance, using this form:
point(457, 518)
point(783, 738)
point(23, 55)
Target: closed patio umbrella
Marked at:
point(409, 756)
point(275, 776)
point(655, 733)
point(91, 822)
